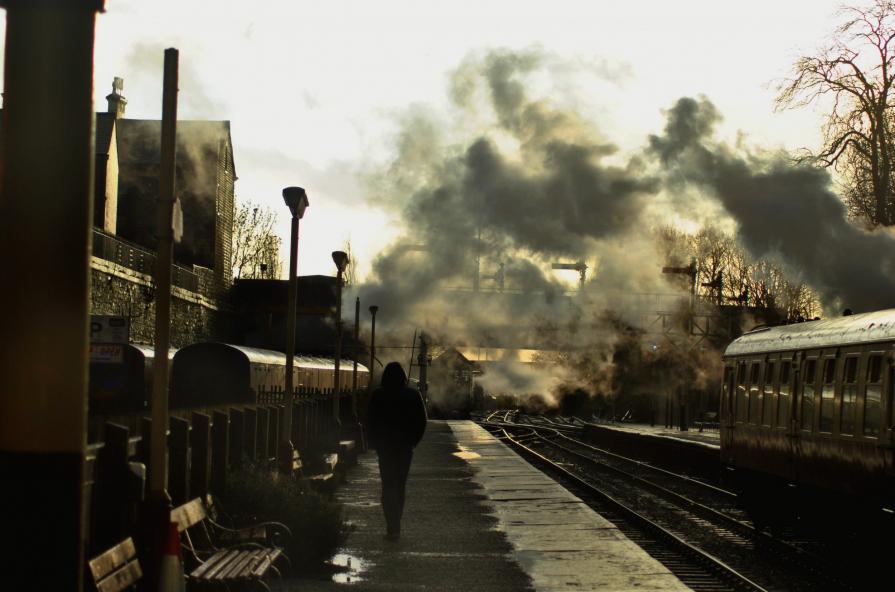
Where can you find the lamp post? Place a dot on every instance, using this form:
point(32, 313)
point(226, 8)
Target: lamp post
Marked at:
point(297, 200)
point(373, 310)
point(340, 258)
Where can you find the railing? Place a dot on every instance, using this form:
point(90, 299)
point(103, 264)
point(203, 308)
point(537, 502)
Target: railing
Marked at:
point(112, 248)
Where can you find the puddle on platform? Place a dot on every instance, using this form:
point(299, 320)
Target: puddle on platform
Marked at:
point(466, 453)
point(350, 568)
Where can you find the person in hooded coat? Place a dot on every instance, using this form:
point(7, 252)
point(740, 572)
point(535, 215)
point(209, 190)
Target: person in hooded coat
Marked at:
point(396, 421)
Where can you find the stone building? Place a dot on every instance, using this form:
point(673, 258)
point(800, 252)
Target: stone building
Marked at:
point(125, 221)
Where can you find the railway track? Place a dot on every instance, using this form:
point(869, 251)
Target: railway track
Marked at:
point(692, 527)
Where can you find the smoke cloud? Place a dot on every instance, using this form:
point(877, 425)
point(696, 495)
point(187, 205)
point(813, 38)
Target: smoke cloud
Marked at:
point(784, 212)
point(512, 182)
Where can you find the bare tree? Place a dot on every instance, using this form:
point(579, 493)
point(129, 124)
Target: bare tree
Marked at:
point(256, 249)
point(854, 75)
point(728, 275)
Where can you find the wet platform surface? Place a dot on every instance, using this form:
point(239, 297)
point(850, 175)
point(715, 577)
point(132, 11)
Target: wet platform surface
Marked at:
point(478, 517)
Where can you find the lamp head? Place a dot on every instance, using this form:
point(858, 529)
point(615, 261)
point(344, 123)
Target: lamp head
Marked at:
point(340, 258)
point(297, 200)
point(374, 309)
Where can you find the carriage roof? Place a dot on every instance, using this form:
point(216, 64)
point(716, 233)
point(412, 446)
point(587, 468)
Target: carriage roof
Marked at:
point(865, 328)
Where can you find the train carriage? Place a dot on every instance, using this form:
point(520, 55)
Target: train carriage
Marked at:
point(811, 405)
point(211, 374)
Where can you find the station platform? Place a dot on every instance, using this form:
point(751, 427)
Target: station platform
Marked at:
point(478, 517)
point(708, 437)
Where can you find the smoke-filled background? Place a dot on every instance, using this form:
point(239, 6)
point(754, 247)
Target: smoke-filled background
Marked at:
point(600, 149)
point(514, 180)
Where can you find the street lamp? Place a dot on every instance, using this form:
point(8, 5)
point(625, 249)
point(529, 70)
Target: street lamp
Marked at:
point(373, 310)
point(354, 351)
point(340, 258)
point(297, 200)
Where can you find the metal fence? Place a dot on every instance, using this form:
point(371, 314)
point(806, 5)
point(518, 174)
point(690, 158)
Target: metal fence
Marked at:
point(127, 254)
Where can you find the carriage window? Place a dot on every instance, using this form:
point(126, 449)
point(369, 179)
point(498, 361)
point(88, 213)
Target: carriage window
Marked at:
point(783, 396)
point(827, 395)
point(725, 390)
point(741, 392)
point(873, 395)
point(767, 397)
point(849, 396)
point(808, 382)
point(754, 386)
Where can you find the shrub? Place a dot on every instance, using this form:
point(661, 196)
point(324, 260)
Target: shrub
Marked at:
point(256, 494)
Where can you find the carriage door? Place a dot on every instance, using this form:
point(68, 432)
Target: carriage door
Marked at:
point(726, 412)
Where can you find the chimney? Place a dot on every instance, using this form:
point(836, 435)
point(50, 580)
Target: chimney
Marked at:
point(117, 103)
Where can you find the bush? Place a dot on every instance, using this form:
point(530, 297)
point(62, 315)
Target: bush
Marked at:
point(256, 494)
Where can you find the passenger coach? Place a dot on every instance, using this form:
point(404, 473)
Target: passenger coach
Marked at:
point(811, 405)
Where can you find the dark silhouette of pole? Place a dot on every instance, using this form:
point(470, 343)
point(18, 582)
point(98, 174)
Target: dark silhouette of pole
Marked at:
point(158, 504)
point(340, 258)
point(354, 371)
point(297, 200)
point(46, 197)
point(373, 310)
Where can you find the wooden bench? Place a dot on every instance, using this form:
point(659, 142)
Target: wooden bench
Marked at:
point(324, 481)
point(117, 569)
point(348, 452)
point(245, 560)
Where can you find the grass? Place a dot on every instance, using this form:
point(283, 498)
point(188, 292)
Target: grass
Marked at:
point(256, 494)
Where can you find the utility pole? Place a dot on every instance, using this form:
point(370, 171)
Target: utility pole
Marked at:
point(158, 503)
point(423, 362)
point(354, 372)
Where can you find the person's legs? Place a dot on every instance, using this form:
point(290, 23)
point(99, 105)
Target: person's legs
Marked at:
point(388, 473)
point(402, 470)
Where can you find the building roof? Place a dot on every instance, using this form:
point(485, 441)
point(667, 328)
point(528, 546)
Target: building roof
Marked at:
point(871, 327)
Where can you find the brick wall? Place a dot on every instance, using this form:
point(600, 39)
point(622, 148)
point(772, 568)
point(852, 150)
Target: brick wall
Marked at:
point(117, 290)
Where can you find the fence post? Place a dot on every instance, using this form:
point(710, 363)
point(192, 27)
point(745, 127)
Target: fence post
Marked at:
point(200, 455)
point(111, 511)
point(251, 433)
point(179, 460)
point(237, 436)
point(145, 441)
point(220, 434)
point(263, 427)
point(274, 434)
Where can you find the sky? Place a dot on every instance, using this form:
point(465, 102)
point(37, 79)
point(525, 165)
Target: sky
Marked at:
point(315, 91)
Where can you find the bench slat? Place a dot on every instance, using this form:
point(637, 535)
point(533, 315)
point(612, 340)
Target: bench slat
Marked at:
point(222, 565)
point(199, 572)
point(189, 514)
point(126, 576)
point(264, 566)
point(112, 559)
point(233, 567)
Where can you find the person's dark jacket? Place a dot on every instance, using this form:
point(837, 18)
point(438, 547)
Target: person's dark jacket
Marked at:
point(396, 415)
